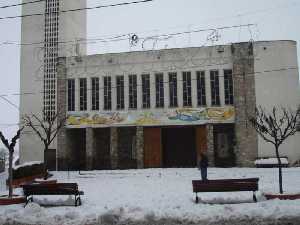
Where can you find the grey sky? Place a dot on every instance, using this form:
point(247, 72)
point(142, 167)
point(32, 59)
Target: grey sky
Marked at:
point(275, 19)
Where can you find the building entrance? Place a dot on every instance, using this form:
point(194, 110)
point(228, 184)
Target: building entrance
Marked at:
point(179, 147)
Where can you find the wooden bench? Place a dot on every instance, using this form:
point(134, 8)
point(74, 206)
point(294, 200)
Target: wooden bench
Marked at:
point(52, 189)
point(226, 185)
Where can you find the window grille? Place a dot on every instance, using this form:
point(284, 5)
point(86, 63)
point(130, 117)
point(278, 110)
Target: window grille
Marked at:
point(107, 93)
point(215, 89)
point(82, 94)
point(50, 56)
point(146, 90)
point(187, 89)
point(71, 94)
point(159, 90)
point(132, 92)
point(173, 89)
point(228, 87)
point(201, 93)
point(95, 93)
point(120, 92)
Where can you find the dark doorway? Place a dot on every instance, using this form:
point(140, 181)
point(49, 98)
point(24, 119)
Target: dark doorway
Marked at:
point(179, 147)
point(224, 145)
point(102, 147)
point(76, 143)
point(50, 159)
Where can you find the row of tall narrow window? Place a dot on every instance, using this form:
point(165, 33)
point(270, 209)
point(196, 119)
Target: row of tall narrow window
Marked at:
point(146, 94)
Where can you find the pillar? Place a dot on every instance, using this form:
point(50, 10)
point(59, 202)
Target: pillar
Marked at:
point(114, 147)
point(210, 145)
point(246, 148)
point(140, 147)
point(89, 148)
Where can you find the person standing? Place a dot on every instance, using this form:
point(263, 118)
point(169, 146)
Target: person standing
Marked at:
point(203, 164)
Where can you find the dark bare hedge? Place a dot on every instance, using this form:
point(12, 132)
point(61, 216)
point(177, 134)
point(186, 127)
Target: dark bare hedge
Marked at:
point(29, 170)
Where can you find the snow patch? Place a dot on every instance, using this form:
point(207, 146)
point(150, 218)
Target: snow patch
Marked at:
point(271, 161)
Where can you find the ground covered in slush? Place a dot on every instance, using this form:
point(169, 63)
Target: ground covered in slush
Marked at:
point(159, 196)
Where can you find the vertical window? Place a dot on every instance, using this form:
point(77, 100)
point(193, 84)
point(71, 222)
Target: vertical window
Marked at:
point(187, 89)
point(228, 87)
point(215, 91)
point(95, 93)
point(71, 95)
point(173, 89)
point(146, 90)
point(201, 95)
point(107, 93)
point(159, 90)
point(132, 92)
point(120, 92)
point(82, 94)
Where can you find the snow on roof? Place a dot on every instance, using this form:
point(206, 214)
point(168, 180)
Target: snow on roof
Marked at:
point(271, 161)
point(27, 164)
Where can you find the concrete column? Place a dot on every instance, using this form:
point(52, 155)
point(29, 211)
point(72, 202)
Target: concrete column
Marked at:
point(126, 92)
point(114, 147)
point(101, 93)
point(140, 147)
point(89, 148)
point(139, 91)
point(166, 90)
point(210, 145)
point(89, 93)
point(246, 148)
point(113, 93)
point(152, 91)
point(62, 150)
point(179, 89)
point(194, 88)
point(221, 85)
point(207, 88)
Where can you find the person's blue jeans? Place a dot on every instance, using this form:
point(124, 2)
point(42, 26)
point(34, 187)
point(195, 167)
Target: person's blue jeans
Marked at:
point(203, 173)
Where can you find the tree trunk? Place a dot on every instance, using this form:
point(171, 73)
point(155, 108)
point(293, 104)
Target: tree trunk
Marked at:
point(45, 161)
point(10, 174)
point(280, 169)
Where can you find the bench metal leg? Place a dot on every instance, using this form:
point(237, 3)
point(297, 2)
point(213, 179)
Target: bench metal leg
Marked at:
point(28, 199)
point(77, 200)
point(254, 197)
point(197, 199)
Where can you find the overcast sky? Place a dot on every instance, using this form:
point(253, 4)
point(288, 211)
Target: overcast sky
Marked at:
point(274, 19)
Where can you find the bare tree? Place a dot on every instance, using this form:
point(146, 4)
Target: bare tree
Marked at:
point(275, 127)
point(45, 128)
point(11, 148)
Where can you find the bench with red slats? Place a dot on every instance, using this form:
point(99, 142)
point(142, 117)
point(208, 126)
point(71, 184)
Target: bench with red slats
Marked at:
point(52, 189)
point(226, 185)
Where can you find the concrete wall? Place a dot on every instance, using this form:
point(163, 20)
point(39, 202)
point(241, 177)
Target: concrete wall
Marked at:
point(277, 84)
point(151, 62)
point(72, 26)
point(31, 77)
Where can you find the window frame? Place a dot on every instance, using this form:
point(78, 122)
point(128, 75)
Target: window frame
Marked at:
point(82, 94)
point(173, 92)
point(132, 91)
point(107, 103)
point(201, 88)
point(159, 90)
point(146, 92)
point(187, 89)
point(215, 87)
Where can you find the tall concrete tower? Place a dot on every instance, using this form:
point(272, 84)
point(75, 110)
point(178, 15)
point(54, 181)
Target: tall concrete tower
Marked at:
point(45, 38)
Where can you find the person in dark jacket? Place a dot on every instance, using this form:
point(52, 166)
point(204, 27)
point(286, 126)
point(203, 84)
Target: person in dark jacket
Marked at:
point(203, 164)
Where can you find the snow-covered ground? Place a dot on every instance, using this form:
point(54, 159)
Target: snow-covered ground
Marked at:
point(160, 196)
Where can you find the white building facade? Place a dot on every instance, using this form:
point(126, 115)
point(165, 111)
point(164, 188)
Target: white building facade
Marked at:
point(162, 108)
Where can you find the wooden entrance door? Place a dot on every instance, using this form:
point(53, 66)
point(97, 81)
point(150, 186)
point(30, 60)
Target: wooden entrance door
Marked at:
point(201, 140)
point(152, 147)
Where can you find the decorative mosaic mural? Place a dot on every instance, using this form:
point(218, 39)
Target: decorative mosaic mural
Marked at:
point(179, 116)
